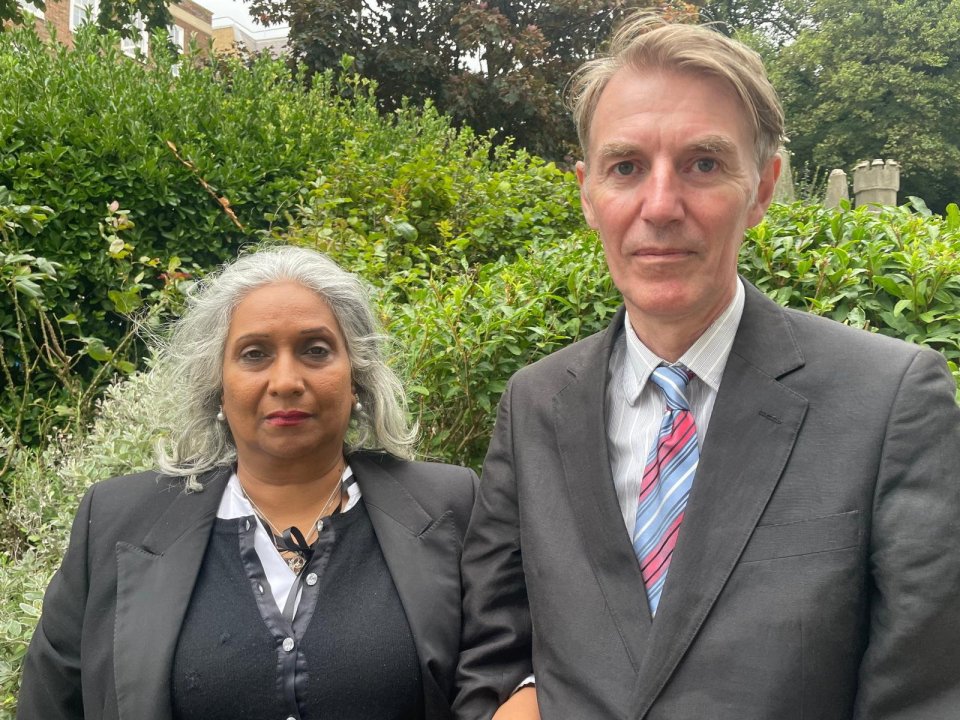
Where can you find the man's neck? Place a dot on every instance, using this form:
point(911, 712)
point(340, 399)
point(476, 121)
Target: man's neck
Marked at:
point(670, 338)
point(668, 341)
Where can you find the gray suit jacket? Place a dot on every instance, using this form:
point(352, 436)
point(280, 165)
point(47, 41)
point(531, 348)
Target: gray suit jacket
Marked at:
point(817, 572)
point(104, 646)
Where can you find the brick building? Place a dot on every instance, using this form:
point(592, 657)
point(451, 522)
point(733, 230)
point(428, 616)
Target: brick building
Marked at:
point(191, 22)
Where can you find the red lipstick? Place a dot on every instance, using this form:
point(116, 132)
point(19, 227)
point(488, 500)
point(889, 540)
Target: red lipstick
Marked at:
point(285, 418)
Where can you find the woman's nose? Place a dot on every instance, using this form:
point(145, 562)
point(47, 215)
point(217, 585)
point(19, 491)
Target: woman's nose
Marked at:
point(286, 376)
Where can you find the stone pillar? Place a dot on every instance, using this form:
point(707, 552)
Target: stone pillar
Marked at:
point(783, 191)
point(837, 189)
point(876, 183)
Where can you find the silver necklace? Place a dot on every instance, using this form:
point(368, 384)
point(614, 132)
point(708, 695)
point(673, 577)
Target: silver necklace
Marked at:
point(295, 559)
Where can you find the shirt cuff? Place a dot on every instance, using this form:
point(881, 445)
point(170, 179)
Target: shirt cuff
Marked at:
point(528, 681)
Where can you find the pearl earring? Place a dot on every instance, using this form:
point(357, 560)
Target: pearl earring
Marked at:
point(220, 416)
point(357, 405)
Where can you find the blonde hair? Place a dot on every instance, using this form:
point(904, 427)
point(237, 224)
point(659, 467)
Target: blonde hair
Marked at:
point(645, 40)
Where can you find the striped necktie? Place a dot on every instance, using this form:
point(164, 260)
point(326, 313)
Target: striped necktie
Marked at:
point(666, 483)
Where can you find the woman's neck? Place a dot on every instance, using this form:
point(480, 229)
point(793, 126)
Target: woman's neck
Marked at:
point(292, 500)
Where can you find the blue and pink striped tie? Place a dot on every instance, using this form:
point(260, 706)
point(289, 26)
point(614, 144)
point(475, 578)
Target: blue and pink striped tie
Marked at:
point(666, 483)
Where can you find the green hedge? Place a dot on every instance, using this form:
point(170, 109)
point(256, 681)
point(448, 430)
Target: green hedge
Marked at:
point(896, 272)
point(122, 151)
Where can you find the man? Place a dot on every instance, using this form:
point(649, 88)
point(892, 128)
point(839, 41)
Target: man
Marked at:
point(717, 508)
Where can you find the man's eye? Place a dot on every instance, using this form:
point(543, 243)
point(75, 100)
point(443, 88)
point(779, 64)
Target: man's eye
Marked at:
point(706, 165)
point(623, 168)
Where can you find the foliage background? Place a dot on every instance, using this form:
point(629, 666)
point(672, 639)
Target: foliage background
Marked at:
point(871, 80)
point(185, 171)
point(475, 253)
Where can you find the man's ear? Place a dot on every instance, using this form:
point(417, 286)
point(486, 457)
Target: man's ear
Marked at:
point(768, 182)
point(585, 205)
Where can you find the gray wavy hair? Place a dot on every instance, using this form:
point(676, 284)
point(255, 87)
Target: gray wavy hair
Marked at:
point(190, 359)
point(647, 40)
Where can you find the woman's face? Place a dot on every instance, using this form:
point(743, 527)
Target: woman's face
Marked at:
point(287, 390)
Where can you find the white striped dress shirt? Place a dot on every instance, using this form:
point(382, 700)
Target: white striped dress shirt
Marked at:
point(635, 407)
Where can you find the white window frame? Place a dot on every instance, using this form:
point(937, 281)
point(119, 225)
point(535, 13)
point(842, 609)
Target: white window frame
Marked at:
point(78, 12)
point(177, 36)
point(30, 8)
point(131, 46)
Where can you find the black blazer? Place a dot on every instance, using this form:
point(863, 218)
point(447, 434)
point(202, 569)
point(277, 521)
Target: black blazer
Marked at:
point(112, 614)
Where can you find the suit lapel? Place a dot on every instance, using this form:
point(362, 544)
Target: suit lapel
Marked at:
point(154, 584)
point(753, 428)
point(580, 422)
point(422, 555)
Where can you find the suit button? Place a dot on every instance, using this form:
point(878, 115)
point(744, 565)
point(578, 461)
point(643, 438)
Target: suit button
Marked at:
point(288, 644)
point(312, 579)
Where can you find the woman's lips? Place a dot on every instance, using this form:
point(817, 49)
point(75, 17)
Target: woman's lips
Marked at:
point(287, 417)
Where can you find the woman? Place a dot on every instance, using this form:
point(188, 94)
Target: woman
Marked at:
point(272, 568)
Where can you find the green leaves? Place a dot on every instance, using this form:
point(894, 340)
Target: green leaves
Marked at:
point(95, 348)
point(896, 271)
point(52, 370)
point(952, 217)
point(22, 272)
point(125, 301)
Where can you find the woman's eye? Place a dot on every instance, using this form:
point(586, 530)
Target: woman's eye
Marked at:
point(706, 165)
point(623, 168)
point(318, 351)
point(252, 354)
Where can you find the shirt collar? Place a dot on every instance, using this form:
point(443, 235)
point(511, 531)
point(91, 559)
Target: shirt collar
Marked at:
point(707, 357)
point(234, 503)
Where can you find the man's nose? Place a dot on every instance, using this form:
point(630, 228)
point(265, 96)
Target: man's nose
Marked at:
point(661, 201)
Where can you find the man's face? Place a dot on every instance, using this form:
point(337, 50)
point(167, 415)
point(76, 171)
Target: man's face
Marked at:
point(671, 183)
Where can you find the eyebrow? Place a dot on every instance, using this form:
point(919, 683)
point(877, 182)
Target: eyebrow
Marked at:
point(306, 332)
point(615, 150)
point(717, 144)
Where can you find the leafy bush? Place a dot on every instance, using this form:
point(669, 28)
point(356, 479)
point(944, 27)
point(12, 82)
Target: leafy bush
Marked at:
point(188, 168)
point(46, 488)
point(896, 271)
point(413, 210)
point(42, 355)
point(465, 333)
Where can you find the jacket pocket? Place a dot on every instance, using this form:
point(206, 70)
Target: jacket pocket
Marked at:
point(804, 537)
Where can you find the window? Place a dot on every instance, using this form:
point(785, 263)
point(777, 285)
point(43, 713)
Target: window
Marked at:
point(140, 43)
point(30, 7)
point(82, 11)
point(177, 38)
